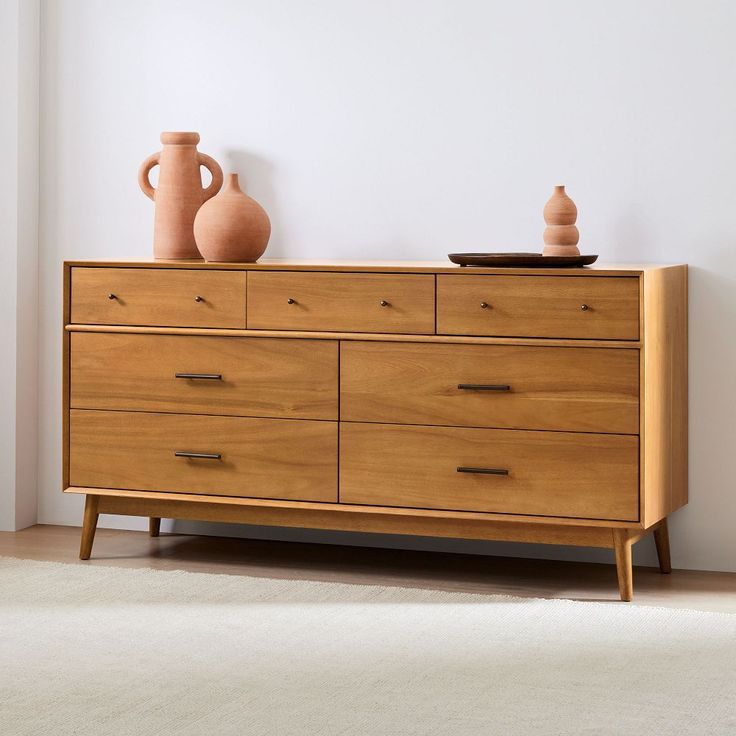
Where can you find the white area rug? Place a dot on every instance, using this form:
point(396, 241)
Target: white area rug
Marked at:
point(109, 651)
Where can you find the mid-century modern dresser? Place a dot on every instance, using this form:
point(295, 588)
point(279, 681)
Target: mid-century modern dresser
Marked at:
point(406, 398)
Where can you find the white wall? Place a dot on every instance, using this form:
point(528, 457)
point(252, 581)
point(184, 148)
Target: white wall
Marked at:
point(409, 129)
point(19, 68)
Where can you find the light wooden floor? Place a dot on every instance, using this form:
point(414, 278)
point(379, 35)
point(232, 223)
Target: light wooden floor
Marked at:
point(706, 591)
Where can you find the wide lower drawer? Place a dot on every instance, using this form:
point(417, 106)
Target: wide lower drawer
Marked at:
point(587, 476)
point(592, 307)
point(341, 302)
point(504, 386)
point(222, 456)
point(158, 297)
point(235, 376)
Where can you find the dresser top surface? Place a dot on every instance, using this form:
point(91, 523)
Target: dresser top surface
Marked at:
point(378, 266)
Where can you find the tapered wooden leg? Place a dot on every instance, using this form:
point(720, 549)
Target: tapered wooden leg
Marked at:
point(622, 544)
point(89, 526)
point(662, 541)
point(154, 526)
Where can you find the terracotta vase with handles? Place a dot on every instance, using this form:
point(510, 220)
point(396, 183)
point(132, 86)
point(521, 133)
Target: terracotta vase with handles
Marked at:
point(179, 193)
point(232, 227)
point(561, 235)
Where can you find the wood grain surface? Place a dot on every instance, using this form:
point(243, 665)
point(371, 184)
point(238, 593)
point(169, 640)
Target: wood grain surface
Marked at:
point(665, 393)
point(160, 298)
point(262, 458)
point(538, 306)
point(573, 389)
point(333, 265)
point(549, 473)
point(335, 302)
point(259, 377)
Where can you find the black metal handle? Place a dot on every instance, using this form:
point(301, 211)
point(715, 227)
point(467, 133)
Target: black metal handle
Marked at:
point(200, 376)
point(199, 455)
point(484, 386)
point(483, 471)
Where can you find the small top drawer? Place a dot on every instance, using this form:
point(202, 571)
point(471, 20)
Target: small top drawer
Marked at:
point(341, 302)
point(158, 297)
point(587, 307)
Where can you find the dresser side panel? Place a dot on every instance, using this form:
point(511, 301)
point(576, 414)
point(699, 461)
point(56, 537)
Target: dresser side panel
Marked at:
point(65, 374)
point(664, 393)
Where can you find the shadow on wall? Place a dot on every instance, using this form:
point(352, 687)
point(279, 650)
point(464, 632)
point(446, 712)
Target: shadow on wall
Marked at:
point(712, 430)
point(256, 180)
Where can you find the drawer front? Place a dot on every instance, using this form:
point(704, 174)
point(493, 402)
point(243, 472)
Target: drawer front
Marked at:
point(158, 297)
point(587, 476)
point(592, 307)
point(340, 302)
point(259, 458)
point(236, 376)
point(504, 386)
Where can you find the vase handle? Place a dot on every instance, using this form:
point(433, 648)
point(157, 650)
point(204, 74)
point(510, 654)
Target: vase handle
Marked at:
point(214, 168)
point(143, 181)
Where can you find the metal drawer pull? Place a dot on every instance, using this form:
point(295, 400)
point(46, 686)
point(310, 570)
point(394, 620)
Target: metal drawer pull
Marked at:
point(198, 298)
point(484, 386)
point(483, 471)
point(199, 455)
point(384, 303)
point(584, 307)
point(484, 305)
point(291, 301)
point(200, 376)
point(112, 296)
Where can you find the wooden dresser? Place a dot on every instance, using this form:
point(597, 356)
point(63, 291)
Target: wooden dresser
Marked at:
point(406, 398)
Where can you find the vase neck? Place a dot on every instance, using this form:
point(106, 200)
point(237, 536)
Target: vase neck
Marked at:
point(233, 183)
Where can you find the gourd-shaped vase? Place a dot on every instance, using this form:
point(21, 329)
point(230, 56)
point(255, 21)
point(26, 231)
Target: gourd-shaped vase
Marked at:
point(561, 236)
point(232, 227)
point(179, 193)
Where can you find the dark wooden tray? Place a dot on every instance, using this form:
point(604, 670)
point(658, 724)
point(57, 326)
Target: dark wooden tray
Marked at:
point(520, 260)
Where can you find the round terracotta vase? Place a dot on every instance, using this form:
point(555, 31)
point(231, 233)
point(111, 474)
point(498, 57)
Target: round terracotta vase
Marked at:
point(232, 227)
